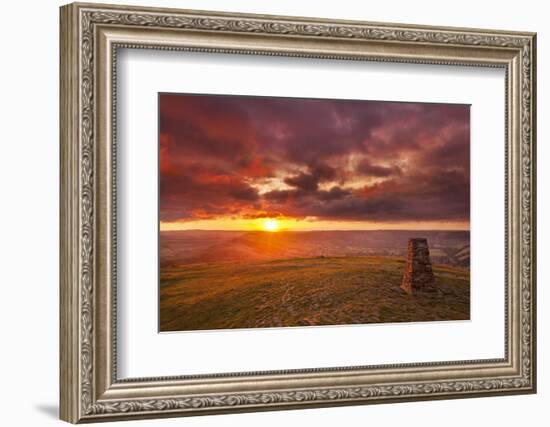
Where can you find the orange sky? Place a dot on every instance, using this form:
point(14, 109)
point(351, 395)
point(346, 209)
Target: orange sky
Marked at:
point(310, 225)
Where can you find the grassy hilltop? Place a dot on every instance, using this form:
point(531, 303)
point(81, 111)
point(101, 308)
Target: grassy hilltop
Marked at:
point(304, 291)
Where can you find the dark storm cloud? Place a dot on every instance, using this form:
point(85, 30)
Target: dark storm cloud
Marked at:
point(335, 193)
point(365, 167)
point(332, 159)
point(201, 192)
point(310, 181)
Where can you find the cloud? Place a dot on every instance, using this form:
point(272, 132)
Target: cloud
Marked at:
point(310, 181)
point(365, 167)
point(202, 192)
point(262, 215)
point(330, 159)
point(335, 193)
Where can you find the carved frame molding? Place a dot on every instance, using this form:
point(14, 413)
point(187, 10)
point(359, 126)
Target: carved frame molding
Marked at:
point(90, 37)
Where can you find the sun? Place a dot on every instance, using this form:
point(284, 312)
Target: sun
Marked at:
point(271, 225)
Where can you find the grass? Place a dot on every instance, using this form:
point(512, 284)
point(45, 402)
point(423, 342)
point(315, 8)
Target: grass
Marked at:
point(301, 292)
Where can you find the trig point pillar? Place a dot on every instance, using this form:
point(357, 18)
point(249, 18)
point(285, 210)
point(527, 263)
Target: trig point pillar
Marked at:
point(418, 274)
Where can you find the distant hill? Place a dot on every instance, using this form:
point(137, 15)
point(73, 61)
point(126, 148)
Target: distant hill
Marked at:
point(185, 247)
point(462, 256)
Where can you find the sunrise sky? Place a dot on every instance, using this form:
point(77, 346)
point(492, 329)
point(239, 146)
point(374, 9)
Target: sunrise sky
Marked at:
point(261, 163)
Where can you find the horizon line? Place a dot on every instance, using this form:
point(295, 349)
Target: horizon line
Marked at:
point(310, 230)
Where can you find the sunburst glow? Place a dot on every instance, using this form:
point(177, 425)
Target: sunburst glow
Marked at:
point(271, 225)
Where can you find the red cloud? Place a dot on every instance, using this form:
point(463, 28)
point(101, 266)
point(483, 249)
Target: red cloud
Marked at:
point(217, 153)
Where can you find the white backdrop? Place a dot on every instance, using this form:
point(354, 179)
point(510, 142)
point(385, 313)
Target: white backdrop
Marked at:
point(29, 170)
point(143, 352)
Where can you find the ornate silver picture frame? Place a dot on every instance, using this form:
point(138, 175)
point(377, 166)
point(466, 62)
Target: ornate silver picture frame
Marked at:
point(91, 35)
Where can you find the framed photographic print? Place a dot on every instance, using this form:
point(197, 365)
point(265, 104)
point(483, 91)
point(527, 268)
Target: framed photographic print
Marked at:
point(282, 212)
point(264, 212)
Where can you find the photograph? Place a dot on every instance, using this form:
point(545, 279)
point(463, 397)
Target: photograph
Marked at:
point(286, 212)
